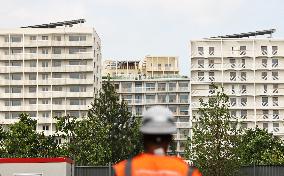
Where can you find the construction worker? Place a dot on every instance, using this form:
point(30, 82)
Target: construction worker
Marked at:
point(157, 129)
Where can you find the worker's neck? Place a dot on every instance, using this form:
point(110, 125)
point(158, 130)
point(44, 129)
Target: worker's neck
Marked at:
point(156, 150)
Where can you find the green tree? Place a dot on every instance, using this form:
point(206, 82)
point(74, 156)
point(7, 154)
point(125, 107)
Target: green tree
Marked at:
point(260, 147)
point(3, 136)
point(109, 133)
point(213, 147)
point(22, 140)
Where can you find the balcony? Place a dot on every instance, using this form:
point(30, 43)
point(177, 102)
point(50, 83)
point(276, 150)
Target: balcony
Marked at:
point(85, 55)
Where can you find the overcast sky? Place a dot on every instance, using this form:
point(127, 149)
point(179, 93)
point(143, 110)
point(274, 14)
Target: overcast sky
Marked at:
point(131, 29)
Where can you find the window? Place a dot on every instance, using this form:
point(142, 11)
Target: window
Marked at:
point(77, 38)
point(275, 114)
point(33, 37)
point(44, 51)
point(244, 89)
point(275, 88)
point(32, 76)
point(77, 75)
point(56, 88)
point(265, 114)
point(56, 50)
point(77, 102)
point(44, 37)
point(244, 114)
point(200, 51)
point(200, 63)
point(264, 75)
point(74, 113)
point(265, 88)
point(32, 63)
point(57, 101)
point(233, 89)
point(200, 76)
point(265, 126)
point(183, 133)
point(233, 101)
point(16, 38)
point(16, 89)
point(162, 98)
point(15, 102)
point(183, 110)
point(264, 50)
point(77, 50)
point(274, 63)
point(44, 89)
point(211, 76)
point(243, 50)
point(32, 101)
point(264, 63)
point(183, 86)
point(233, 63)
point(78, 89)
point(264, 101)
point(211, 51)
point(233, 113)
point(233, 76)
point(16, 63)
point(33, 50)
point(243, 63)
point(183, 98)
point(16, 76)
point(173, 108)
point(161, 86)
point(57, 38)
point(45, 127)
point(150, 98)
point(56, 63)
point(44, 101)
point(274, 50)
point(126, 87)
point(243, 101)
point(275, 127)
point(211, 89)
point(172, 98)
point(243, 76)
point(44, 76)
point(138, 87)
point(138, 110)
point(172, 86)
point(16, 51)
point(275, 75)
point(138, 98)
point(275, 101)
point(56, 75)
point(211, 63)
point(150, 86)
point(32, 89)
point(44, 63)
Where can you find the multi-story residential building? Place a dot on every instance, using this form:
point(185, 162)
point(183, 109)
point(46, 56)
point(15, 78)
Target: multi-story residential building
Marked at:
point(251, 70)
point(153, 81)
point(48, 71)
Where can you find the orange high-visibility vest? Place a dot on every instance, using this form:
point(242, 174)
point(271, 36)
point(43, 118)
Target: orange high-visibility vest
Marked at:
point(153, 165)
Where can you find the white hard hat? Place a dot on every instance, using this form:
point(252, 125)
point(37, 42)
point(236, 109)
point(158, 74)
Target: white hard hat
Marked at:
point(158, 120)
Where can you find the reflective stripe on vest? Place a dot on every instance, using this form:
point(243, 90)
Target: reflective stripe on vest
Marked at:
point(128, 168)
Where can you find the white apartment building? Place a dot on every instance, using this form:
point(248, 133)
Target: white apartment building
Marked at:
point(251, 70)
point(48, 71)
point(155, 80)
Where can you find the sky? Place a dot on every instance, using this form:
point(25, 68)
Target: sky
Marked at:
point(132, 29)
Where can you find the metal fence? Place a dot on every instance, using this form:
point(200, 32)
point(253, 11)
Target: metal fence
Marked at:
point(262, 171)
point(245, 171)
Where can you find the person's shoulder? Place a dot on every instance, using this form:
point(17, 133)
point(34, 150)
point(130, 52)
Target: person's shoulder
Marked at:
point(179, 160)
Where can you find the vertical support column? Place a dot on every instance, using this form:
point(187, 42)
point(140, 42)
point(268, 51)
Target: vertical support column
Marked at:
point(254, 84)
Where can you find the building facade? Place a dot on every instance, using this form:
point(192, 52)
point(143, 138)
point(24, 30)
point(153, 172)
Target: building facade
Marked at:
point(251, 70)
point(48, 72)
point(154, 80)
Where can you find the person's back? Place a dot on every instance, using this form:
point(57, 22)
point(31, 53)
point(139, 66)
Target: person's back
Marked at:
point(154, 165)
point(157, 129)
